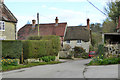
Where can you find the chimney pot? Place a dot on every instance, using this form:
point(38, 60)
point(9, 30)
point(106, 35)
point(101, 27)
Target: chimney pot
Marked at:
point(56, 21)
point(33, 22)
point(88, 23)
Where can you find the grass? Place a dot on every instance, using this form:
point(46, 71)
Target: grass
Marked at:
point(104, 61)
point(8, 68)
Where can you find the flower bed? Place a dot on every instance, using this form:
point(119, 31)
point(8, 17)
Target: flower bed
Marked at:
point(100, 60)
point(6, 62)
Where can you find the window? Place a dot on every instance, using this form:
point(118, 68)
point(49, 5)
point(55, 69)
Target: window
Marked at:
point(2, 26)
point(79, 41)
point(2, 39)
point(68, 41)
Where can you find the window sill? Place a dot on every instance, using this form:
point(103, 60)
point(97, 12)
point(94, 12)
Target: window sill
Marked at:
point(2, 30)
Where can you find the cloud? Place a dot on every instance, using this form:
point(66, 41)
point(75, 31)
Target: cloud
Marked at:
point(43, 6)
point(55, 0)
point(53, 8)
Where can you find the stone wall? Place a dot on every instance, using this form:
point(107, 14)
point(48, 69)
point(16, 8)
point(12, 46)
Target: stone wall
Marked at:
point(74, 43)
point(112, 49)
point(9, 33)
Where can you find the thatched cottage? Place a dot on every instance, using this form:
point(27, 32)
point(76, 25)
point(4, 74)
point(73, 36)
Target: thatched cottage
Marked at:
point(78, 36)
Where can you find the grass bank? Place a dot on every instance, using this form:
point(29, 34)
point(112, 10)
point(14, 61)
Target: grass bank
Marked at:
point(10, 67)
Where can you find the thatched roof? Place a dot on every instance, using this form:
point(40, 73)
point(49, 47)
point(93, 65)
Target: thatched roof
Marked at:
point(77, 33)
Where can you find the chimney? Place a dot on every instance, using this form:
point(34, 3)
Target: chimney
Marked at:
point(56, 21)
point(88, 23)
point(118, 26)
point(33, 22)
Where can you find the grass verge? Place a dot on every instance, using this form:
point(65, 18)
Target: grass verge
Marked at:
point(105, 61)
point(8, 68)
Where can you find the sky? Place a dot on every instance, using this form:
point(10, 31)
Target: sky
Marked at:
point(74, 12)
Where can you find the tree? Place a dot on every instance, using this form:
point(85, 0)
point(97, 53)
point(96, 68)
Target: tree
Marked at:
point(108, 26)
point(113, 10)
point(96, 27)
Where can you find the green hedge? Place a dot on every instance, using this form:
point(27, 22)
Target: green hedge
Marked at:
point(47, 46)
point(11, 48)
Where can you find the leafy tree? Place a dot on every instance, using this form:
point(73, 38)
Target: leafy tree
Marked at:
point(113, 10)
point(109, 26)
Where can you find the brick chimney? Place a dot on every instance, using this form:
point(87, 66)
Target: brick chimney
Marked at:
point(88, 23)
point(33, 23)
point(56, 21)
point(118, 26)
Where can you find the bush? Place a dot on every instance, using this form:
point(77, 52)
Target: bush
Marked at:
point(100, 60)
point(85, 55)
point(6, 62)
point(78, 52)
point(101, 49)
point(35, 38)
point(48, 58)
point(11, 49)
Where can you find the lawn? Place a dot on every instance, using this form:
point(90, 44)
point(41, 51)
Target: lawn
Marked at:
point(10, 67)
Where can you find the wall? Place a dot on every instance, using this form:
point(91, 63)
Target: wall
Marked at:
point(9, 33)
point(74, 43)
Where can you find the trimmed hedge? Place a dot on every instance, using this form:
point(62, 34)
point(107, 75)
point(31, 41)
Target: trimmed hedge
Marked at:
point(47, 46)
point(11, 48)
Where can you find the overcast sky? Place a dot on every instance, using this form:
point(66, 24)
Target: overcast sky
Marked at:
point(74, 12)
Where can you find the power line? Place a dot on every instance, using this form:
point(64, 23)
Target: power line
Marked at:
point(96, 7)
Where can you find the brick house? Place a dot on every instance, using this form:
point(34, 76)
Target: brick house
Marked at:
point(56, 28)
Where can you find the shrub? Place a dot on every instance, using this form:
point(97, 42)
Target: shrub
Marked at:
point(48, 58)
point(78, 51)
point(101, 49)
point(104, 61)
point(6, 62)
point(11, 48)
point(85, 55)
point(35, 38)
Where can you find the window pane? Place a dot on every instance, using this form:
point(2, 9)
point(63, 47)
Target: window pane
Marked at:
point(68, 41)
point(78, 41)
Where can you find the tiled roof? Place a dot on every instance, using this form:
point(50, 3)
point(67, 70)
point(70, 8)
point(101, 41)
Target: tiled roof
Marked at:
point(45, 29)
point(77, 33)
point(7, 14)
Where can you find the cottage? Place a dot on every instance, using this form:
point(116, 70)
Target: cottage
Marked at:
point(78, 36)
point(7, 23)
point(56, 28)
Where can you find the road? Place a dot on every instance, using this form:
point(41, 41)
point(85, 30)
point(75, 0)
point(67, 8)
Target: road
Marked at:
point(69, 69)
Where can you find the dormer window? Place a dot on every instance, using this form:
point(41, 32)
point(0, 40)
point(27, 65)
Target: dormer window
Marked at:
point(2, 26)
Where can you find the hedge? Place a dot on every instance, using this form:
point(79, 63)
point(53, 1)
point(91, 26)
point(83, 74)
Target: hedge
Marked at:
point(47, 46)
point(11, 48)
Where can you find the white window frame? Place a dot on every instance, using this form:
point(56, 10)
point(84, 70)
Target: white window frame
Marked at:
point(68, 41)
point(2, 26)
point(79, 41)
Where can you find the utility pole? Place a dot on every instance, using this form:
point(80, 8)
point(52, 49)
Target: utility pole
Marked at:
point(38, 23)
